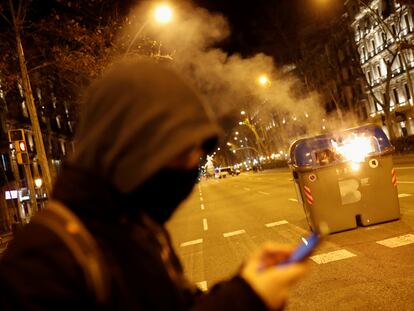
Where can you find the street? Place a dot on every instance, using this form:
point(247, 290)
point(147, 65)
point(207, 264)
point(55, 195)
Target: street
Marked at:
point(369, 268)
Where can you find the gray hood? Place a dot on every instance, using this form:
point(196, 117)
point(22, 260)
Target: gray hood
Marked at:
point(136, 119)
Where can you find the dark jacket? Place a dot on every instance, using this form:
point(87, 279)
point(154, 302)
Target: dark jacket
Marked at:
point(135, 120)
point(39, 273)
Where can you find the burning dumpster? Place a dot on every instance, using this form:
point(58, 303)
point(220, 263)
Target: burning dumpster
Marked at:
point(346, 179)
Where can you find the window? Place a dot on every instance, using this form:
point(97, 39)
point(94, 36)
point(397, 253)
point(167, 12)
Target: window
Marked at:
point(400, 62)
point(394, 30)
point(58, 121)
point(363, 52)
point(407, 92)
point(63, 147)
point(407, 22)
point(373, 46)
point(369, 77)
point(397, 100)
point(379, 71)
point(24, 109)
point(384, 37)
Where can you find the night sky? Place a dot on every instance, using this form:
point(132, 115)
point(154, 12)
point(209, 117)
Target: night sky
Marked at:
point(269, 26)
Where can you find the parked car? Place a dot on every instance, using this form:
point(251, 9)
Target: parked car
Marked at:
point(228, 170)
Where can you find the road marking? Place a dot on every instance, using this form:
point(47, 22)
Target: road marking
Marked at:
point(201, 198)
point(404, 195)
point(293, 200)
point(205, 224)
point(228, 234)
point(247, 189)
point(332, 256)
point(405, 168)
point(202, 285)
point(405, 182)
point(202, 206)
point(265, 193)
point(193, 242)
point(277, 223)
point(398, 241)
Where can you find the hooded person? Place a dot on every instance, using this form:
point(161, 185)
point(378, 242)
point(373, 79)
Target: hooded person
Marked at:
point(141, 132)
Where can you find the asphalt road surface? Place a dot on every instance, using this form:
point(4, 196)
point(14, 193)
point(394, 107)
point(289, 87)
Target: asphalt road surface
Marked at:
point(368, 268)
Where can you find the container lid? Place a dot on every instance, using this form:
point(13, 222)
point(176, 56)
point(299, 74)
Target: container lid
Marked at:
point(353, 144)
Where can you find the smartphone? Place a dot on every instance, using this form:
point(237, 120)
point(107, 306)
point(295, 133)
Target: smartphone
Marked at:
point(303, 250)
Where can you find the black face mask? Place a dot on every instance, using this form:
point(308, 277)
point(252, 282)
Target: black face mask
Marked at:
point(160, 195)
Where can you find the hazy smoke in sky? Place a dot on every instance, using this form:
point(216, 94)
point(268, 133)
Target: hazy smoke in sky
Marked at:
point(229, 82)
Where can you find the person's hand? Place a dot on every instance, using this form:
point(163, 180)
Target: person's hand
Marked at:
point(270, 282)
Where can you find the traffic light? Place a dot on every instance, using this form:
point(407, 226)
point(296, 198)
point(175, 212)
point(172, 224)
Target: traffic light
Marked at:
point(17, 138)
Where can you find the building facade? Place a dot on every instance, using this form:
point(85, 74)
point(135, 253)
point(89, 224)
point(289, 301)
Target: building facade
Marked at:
point(56, 118)
point(383, 34)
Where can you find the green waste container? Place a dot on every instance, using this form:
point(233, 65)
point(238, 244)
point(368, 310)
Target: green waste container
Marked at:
point(345, 179)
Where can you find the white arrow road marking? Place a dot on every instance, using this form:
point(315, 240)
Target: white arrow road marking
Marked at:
point(228, 234)
point(398, 241)
point(293, 200)
point(332, 256)
point(193, 242)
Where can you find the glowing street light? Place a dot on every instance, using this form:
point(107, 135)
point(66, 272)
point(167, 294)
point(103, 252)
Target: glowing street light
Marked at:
point(243, 112)
point(263, 80)
point(38, 182)
point(163, 14)
point(237, 133)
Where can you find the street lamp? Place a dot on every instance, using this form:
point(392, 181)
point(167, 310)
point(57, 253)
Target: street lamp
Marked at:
point(263, 80)
point(163, 14)
point(38, 182)
point(243, 112)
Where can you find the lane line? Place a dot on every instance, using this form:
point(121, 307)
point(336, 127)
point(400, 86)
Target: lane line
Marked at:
point(202, 206)
point(332, 256)
point(265, 193)
point(247, 189)
point(276, 223)
point(205, 224)
point(193, 242)
point(398, 241)
point(233, 233)
point(201, 198)
point(405, 182)
point(404, 195)
point(202, 285)
point(293, 200)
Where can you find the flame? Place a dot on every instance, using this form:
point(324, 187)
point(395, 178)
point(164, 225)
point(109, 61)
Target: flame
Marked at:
point(354, 148)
